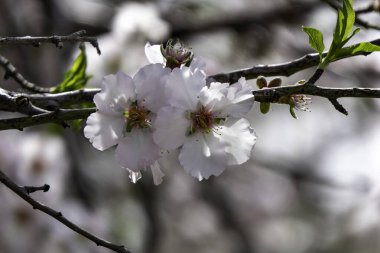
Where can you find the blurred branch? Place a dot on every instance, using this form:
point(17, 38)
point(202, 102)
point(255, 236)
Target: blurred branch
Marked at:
point(243, 19)
point(335, 5)
point(22, 192)
point(31, 189)
point(55, 39)
point(282, 69)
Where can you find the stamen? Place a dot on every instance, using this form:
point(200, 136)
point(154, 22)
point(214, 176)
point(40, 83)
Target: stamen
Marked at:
point(137, 117)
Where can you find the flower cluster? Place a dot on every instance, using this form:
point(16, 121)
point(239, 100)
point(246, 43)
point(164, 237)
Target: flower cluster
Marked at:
point(167, 105)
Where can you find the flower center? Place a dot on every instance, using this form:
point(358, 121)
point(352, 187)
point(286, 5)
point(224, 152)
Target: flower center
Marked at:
point(203, 120)
point(137, 117)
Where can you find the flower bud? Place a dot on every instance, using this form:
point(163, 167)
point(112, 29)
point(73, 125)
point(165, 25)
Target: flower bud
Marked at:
point(261, 82)
point(176, 54)
point(275, 83)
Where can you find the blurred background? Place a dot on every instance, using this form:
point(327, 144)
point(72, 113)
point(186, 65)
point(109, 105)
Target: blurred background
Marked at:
point(313, 184)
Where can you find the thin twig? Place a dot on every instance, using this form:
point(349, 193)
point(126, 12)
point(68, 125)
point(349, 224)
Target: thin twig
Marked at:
point(21, 192)
point(332, 94)
point(55, 39)
point(49, 117)
point(31, 189)
point(10, 71)
point(282, 69)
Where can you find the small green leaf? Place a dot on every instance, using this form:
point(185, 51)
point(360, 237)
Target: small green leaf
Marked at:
point(292, 112)
point(264, 107)
point(315, 39)
point(357, 49)
point(343, 31)
point(345, 23)
point(76, 77)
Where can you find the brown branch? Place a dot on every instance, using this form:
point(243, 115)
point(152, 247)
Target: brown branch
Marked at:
point(332, 94)
point(282, 69)
point(31, 189)
point(55, 39)
point(11, 71)
point(22, 192)
point(58, 117)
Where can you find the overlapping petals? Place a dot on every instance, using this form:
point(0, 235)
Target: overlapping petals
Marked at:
point(126, 107)
point(168, 105)
point(205, 122)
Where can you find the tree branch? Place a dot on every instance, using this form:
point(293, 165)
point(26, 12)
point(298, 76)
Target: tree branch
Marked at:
point(10, 71)
point(282, 69)
point(55, 39)
point(31, 189)
point(58, 117)
point(23, 193)
point(332, 94)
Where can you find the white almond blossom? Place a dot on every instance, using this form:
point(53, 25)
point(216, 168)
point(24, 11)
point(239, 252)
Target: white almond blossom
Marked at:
point(206, 122)
point(126, 107)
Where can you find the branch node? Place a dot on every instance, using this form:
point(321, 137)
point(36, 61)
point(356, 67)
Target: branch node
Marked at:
point(31, 189)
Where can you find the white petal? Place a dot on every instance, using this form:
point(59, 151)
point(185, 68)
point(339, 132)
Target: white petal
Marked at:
point(137, 150)
point(237, 138)
point(150, 86)
point(241, 99)
point(170, 128)
point(153, 53)
point(195, 157)
point(117, 92)
point(157, 173)
point(198, 64)
point(103, 130)
point(213, 97)
point(183, 88)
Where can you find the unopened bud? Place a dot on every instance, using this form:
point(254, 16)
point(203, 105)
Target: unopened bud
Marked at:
point(261, 82)
point(275, 83)
point(176, 54)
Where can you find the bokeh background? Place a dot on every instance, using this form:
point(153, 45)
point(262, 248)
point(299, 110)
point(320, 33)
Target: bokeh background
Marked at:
point(313, 184)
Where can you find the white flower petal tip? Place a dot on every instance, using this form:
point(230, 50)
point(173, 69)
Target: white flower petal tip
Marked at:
point(153, 53)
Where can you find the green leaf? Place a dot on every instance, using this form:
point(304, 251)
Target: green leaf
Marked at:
point(345, 23)
point(363, 48)
point(343, 31)
point(76, 77)
point(292, 112)
point(315, 40)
